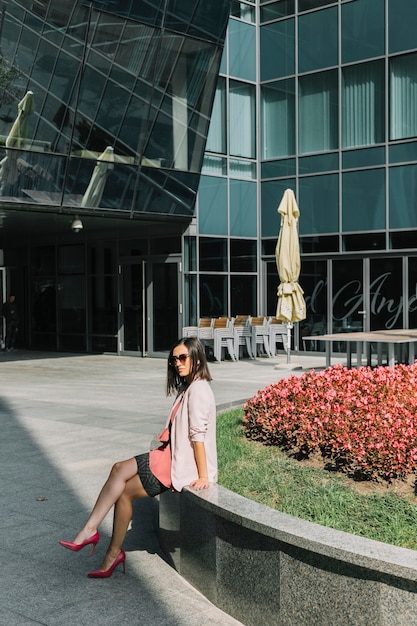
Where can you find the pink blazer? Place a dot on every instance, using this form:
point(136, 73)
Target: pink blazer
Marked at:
point(195, 421)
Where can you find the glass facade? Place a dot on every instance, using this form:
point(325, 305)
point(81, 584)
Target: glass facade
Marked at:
point(336, 87)
point(126, 87)
point(140, 110)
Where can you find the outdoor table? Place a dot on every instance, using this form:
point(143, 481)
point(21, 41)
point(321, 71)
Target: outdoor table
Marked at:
point(392, 338)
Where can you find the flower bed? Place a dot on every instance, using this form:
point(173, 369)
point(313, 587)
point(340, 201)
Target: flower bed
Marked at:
point(362, 421)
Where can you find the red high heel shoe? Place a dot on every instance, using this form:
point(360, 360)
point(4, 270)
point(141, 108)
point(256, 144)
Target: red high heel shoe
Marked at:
point(75, 547)
point(98, 573)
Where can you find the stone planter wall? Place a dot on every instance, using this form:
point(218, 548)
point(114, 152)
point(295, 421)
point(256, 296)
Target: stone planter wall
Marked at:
point(267, 568)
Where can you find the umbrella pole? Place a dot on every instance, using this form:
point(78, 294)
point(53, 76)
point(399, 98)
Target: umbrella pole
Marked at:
point(289, 326)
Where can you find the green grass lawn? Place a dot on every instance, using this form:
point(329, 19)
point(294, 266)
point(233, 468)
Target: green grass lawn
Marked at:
point(267, 475)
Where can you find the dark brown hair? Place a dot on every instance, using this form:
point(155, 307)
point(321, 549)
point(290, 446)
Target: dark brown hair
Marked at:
point(199, 367)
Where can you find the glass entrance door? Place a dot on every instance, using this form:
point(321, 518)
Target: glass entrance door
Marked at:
point(151, 315)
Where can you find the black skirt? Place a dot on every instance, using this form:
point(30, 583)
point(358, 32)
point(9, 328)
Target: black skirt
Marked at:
point(151, 484)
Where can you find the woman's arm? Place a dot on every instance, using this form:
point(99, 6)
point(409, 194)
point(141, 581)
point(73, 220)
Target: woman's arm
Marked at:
point(202, 481)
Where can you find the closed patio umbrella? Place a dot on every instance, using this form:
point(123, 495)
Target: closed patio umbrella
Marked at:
point(94, 192)
point(291, 305)
point(16, 139)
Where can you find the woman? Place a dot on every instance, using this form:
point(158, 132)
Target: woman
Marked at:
point(192, 427)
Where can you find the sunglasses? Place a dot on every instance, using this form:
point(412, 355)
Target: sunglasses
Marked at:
point(181, 358)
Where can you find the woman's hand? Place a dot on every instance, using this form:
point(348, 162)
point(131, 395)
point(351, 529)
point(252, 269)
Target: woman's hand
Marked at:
point(200, 483)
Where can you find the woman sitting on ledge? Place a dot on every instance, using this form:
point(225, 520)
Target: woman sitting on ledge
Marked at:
point(189, 442)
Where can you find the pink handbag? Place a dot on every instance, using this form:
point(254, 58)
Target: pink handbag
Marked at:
point(160, 458)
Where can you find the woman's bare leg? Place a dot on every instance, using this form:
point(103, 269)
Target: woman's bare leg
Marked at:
point(122, 517)
point(112, 489)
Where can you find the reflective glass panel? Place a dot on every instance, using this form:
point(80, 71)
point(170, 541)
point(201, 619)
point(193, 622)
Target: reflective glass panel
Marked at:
point(412, 292)
point(275, 10)
point(278, 119)
point(212, 206)
point(319, 204)
point(213, 254)
point(242, 52)
point(243, 210)
point(277, 50)
point(402, 196)
point(403, 96)
point(363, 30)
point(213, 295)
point(271, 195)
point(242, 116)
point(243, 295)
point(402, 20)
point(363, 200)
point(318, 112)
point(242, 255)
point(363, 104)
point(317, 40)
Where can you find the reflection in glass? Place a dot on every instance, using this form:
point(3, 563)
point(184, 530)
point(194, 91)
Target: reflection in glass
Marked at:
point(213, 254)
point(243, 295)
point(317, 40)
point(213, 295)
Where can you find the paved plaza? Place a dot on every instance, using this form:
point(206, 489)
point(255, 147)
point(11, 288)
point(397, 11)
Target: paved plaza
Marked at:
point(64, 420)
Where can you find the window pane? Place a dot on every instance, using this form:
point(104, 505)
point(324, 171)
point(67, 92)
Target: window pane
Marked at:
point(363, 111)
point(363, 200)
point(412, 290)
point(363, 158)
point(216, 140)
point(243, 295)
point(363, 30)
point(242, 255)
point(242, 116)
point(242, 209)
point(386, 293)
point(313, 281)
point(213, 254)
point(242, 52)
point(212, 206)
point(71, 304)
point(276, 169)
point(403, 197)
point(402, 20)
point(318, 112)
point(271, 195)
point(277, 9)
point(305, 5)
point(278, 119)
point(402, 152)
point(213, 295)
point(403, 97)
point(103, 304)
point(319, 204)
point(318, 163)
point(277, 50)
point(242, 169)
point(317, 40)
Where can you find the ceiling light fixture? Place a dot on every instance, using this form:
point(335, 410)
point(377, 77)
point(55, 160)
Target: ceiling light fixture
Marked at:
point(77, 224)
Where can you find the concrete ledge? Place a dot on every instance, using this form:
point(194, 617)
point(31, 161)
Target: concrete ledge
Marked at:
point(265, 567)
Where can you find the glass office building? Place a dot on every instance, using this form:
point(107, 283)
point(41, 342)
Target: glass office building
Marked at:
point(321, 97)
point(135, 106)
point(104, 114)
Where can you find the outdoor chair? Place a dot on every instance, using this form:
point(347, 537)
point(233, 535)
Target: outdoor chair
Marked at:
point(222, 338)
point(242, 335)
point(260, 335)
point(277, 334)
